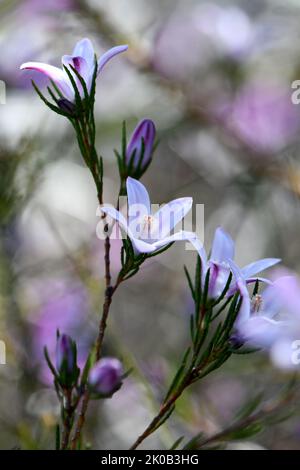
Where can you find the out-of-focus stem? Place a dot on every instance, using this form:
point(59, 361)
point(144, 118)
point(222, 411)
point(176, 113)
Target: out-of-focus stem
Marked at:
point(169, 401)
point(109, 291)
point(67, 420)
point(80, 420)
point(269, 409)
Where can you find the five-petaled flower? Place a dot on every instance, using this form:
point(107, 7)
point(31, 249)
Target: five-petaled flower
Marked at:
point(148, 232)
point(222, 253)
point(82, 60)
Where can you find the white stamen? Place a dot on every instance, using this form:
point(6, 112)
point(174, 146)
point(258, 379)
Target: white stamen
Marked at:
point(256, 303)
point(147, 226)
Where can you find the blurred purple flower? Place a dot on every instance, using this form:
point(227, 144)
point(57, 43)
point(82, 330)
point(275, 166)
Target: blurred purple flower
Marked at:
point(82, 60)
point(105, 376)
point(144, 132)
point(172, 54)
point(28, 34)
point(149, 232)
point(215, 32)
point(229, 28)
point(271, 320)
point(25, 42)
point(64, 308)
point(36, 7)
point(263, 117)
point(222, 253)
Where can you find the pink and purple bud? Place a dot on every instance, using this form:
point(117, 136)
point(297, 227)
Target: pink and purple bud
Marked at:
point(105, 377)
point(66, 360)
point(140, 147)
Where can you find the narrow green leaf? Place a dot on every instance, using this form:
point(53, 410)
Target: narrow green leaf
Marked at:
point(248, 408)
point(158, 252)
point(177, 443)
point(50, 365)
point(189, 281)
point(192, 444)
point(178, 376)
point(124, 141)
point(165, 418)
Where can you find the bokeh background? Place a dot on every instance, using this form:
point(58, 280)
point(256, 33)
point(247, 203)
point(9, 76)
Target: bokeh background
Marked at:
point(216, 79)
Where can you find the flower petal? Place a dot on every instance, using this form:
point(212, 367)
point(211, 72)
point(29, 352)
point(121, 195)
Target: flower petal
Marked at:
point(222, 247)
point(85, 49)
point(182, 235)
point(282, 353)
point(109, 55)
point(287, 289)
point(172, 213)
point(251, 280)
point(140, 246)
point(138, 197)
point(245, 309)
point(257, 266)
point(54, 73)
point(116, 215)
point(261, 331)
point(219, 275)
point(145, 130)
point(81, 66)
point(202, 253)
point(271, 302)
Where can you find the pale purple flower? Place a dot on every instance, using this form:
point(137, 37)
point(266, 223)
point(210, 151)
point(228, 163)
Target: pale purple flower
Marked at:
point(271, 320)
point(222, 253)
point(105, 376)
point(148, 232)
point(144, 132)
point(82, 60)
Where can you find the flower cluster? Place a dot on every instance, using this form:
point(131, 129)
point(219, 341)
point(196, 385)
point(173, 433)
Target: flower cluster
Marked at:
point(226, 316)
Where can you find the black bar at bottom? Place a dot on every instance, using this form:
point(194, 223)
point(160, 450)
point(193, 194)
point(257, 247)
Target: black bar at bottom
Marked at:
point(133, 459)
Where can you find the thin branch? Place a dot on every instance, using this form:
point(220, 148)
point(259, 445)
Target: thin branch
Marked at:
point(67, 413)
point(80, 421)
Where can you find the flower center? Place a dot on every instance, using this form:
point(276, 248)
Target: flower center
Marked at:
point(147, 226)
